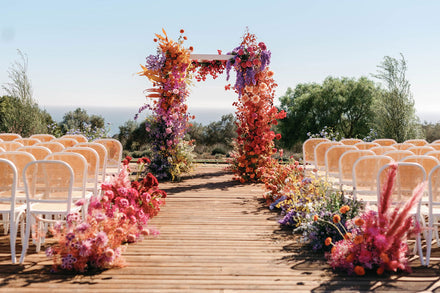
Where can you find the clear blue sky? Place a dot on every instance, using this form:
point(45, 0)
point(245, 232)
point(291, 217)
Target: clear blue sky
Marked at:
point(86, 53)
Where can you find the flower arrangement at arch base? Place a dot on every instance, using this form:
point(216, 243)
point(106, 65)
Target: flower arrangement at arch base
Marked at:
point(119, 215)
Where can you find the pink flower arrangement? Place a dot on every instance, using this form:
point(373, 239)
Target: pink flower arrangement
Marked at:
point(119, 215)
point(378, 240)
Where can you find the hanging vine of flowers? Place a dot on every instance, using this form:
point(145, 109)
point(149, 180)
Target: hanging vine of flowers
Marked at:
point(255, 110)
point(168, 71)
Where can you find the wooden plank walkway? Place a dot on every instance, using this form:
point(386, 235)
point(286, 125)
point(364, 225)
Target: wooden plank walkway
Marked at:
point(216, 236)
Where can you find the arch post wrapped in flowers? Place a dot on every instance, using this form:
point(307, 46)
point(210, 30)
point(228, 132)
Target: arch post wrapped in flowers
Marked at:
point(256, 112)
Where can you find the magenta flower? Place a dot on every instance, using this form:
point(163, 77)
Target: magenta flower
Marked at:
point(101, 238)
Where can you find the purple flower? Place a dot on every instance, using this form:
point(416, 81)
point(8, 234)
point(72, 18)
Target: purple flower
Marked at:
point(70, 236)
point(67, 261)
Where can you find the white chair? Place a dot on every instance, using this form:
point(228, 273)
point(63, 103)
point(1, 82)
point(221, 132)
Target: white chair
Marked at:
point(433, 211)
point(9, 209)
point(346, 162)
point(48, 187)
point(102, 152)
point(114, 154)
point(92, 159)
point(364, 172)
point(79, 166)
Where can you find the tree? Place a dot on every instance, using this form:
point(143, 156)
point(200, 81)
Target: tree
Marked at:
point(395, 109)
point(19, 113)
point(80, 120)
point(342, 104)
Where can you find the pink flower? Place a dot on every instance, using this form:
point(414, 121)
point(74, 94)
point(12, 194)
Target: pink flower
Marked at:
point(101, 238)
point(168, 130)
point(131, 238)
point(109, 253)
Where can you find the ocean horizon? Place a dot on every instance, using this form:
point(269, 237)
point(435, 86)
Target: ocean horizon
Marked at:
point(117, 116)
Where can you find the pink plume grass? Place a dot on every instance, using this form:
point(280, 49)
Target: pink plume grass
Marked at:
point(405, 211)
point(387, 191)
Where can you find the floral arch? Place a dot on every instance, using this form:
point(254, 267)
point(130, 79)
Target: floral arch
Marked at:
point(171, 71)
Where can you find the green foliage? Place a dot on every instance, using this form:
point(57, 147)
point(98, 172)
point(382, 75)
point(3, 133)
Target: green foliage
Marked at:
point(431, 131)
point(19, 113)
point(342, 104)
point(396, 112)
point(79, 122)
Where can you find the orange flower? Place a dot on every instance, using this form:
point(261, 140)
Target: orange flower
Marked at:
point(336, 219)
point(348, 236)
point(380, 271)
point(191, 48)
point(359, 222)
point(155, 40)
point(269, 73)
point(358, 239)
point(344, 209)
point(182, 31)
point(328, 241)
point(315, 218)
point(350, 257)
point(384, 257)
point(359, 270)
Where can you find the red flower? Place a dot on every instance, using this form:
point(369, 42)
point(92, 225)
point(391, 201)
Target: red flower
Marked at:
point(278, 136)
point(182, 31)
point(360, 271)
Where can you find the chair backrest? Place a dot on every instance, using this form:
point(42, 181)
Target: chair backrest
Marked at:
point(346, 162)
point(10, 145)
point(434, 185)
point(397, 155)
point(421, 150)
point(8, 181)
point(52, 145)
point(27, 141)
point(436, 141)
point(435, 146)
point(39, 152)
point(380, 150)
point(365, 171)
point(402, 146)
point(92, 159)
point(332, 156)
point(78, 164)
point(385, 141)
point(20, 140)
point(2, 149)
point(408, 176)
point(9, 136)
point(77, 137)
point(435, 154)
point(350, 141)
point(366, 145)
point(43, 137)
point(114, 151)
point(102, 153)
point(65, 141)
point(48, 182)
point(309, 149)
point(427, 162)
point(417, 142)
point(320, 151)
point(20, 160)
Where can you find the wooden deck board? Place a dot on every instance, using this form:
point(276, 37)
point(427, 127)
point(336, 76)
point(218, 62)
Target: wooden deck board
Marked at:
point(215, 236)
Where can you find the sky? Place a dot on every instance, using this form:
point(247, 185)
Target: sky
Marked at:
point(87, 53)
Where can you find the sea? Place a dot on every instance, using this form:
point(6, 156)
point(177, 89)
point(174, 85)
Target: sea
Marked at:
point(117, 116)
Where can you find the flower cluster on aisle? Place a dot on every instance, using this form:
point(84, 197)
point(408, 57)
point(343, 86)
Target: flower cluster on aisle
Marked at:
point(168, 71)
point(256, 112)
point(118, 216)
point(355, 239)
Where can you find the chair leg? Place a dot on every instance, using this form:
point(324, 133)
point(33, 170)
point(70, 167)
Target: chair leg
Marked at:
point(25, 244)
point(428, 247)
point(419, 246)
point(12, 236)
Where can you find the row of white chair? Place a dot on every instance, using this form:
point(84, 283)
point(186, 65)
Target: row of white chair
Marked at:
point(48, 197)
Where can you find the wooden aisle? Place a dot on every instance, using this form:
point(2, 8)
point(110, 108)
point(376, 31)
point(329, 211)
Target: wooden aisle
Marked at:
point(216, 236)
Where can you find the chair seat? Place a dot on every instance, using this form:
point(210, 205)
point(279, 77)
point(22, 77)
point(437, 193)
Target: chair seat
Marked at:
point(6, 207)
point(41, 208)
